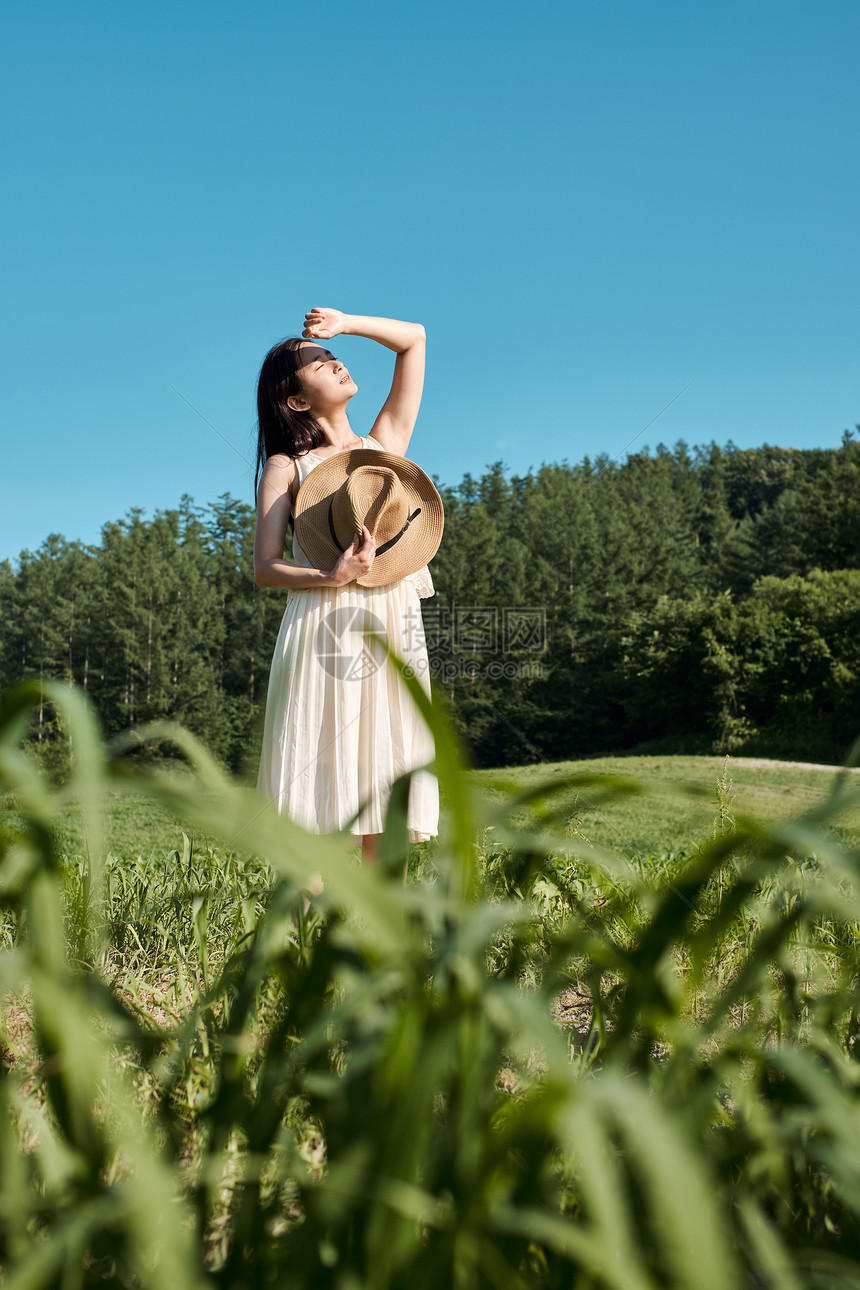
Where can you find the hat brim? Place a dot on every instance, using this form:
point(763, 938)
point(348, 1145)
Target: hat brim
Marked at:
point(413, 549)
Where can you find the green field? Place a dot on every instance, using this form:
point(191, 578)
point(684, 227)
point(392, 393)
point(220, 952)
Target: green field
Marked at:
point(662, 818)
point(534, 1065)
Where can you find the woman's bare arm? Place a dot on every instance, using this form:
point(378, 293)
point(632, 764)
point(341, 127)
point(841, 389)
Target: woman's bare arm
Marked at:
point(274, 505)
point(273, 514)
point(396, 420)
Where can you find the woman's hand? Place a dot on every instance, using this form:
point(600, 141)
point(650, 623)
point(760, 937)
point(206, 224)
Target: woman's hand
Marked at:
point(322, 324)
point(356, 559)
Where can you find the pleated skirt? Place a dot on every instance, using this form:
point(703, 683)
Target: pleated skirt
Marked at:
point(340, 724)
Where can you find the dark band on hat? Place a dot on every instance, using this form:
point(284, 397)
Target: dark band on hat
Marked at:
point(385, 545)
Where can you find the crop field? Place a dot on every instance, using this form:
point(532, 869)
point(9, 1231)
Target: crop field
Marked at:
point(605, 1035)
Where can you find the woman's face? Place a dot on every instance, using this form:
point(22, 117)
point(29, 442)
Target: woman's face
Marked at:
point(325, 384)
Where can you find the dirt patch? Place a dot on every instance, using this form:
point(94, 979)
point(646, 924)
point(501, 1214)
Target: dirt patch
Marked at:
point(797, 765)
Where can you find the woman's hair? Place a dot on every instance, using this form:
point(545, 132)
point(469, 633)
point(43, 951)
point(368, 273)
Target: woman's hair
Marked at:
point(279, 428)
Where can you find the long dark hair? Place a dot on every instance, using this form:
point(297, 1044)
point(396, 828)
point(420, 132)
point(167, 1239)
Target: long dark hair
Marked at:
point(279, 428)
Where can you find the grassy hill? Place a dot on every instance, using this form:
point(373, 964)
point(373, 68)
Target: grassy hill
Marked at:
point(662, 818)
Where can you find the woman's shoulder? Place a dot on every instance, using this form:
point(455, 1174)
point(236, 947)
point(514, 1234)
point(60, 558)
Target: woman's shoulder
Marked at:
point(276, 478)
point(280, 464)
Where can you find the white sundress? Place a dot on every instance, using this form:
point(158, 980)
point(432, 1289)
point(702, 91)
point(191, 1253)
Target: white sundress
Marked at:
point(340, 724)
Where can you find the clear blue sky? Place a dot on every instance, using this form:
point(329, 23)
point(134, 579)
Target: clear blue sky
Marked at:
point(586, 205)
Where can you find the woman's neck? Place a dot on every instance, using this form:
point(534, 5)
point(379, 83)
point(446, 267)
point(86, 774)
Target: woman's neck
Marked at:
point(337, 430)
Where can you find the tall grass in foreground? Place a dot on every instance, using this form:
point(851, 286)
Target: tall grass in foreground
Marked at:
point(203, 1087)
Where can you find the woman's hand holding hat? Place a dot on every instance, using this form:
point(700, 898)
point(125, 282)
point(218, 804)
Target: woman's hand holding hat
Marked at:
point(344, 491)
point(356, 559)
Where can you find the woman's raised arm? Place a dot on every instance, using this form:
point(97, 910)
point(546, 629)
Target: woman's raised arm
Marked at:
point(396, 420)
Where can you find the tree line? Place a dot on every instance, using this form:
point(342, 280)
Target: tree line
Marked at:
point(703, 599)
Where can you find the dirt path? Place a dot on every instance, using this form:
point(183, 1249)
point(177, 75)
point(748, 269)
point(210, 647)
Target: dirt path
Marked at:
point(798, 765)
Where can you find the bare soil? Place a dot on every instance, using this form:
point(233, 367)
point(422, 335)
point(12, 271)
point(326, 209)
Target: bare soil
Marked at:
point(798, 765)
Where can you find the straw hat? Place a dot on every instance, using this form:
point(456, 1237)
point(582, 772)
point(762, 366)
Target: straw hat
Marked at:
point(392, 496)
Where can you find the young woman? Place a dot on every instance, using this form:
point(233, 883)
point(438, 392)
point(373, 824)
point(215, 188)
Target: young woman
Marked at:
point(340, 725)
